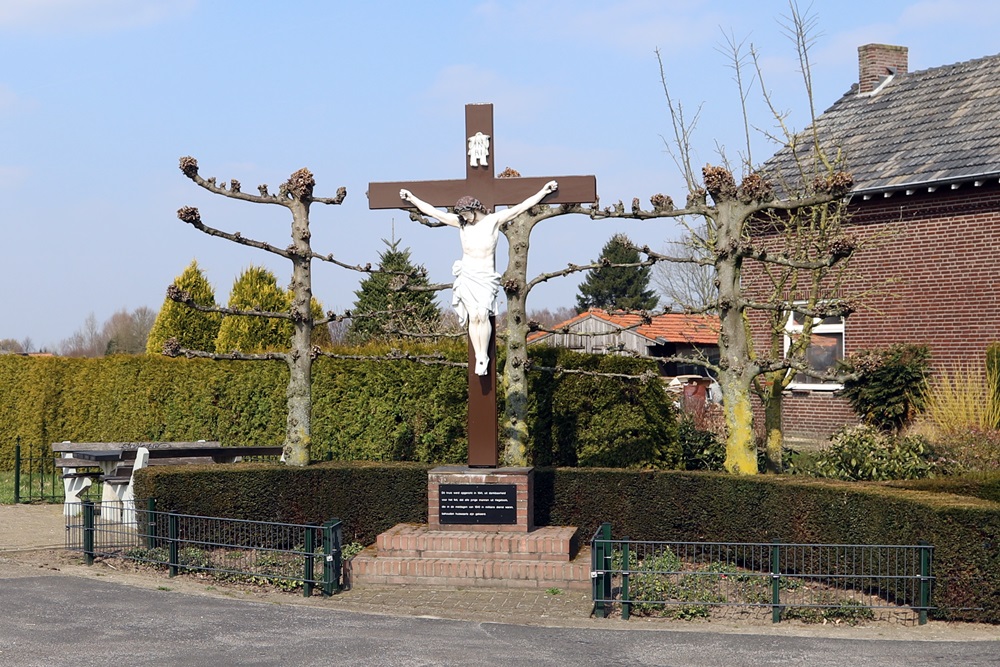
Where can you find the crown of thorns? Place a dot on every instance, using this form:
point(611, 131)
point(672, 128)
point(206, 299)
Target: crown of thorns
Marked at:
point(469, 204)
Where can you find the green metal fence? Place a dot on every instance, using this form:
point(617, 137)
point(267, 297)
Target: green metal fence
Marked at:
point(288, 556)
point(811, 582)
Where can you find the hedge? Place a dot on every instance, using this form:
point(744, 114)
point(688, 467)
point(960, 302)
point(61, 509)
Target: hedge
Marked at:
point(362, 410)
point(644, 505)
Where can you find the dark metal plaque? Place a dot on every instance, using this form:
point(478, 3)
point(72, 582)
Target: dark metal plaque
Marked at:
point(477, 503)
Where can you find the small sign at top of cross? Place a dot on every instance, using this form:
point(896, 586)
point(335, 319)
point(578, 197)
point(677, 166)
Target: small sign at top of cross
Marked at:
point(479, 181)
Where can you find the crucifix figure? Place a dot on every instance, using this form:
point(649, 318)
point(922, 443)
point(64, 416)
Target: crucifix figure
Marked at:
point(477, 283)
point(475, 199)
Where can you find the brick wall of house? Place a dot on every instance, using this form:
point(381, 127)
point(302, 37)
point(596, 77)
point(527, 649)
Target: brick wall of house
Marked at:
point(935, 278)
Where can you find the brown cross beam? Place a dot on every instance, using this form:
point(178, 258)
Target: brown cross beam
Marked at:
point(480, 182)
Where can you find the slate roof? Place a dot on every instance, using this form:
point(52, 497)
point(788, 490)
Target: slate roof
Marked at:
point(664, 328)
point(935, 126)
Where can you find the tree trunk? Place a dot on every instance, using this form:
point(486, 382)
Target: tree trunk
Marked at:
point(298, 428)
point(737, 370)
point(772, 422)
point(515, 379)
point(741, 450)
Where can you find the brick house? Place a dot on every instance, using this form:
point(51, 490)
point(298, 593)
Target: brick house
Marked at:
point(924, 150)
point(597, 331)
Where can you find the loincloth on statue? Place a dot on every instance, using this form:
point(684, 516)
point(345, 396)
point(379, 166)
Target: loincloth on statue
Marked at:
point(474, 291)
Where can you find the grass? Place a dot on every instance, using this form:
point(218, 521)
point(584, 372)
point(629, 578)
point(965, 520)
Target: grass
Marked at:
point(29, 494)
point(962, 399)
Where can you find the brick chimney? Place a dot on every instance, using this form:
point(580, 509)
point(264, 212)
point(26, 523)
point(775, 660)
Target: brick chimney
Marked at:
point(877, 61)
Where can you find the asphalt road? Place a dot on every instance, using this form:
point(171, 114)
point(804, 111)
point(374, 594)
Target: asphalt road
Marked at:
point(56, 620)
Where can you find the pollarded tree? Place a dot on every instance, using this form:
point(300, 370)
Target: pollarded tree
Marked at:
point(391, 302)
point(732, 214)
point(191, 328)
point(296, 195)
point(619, 282)
point(256, 289)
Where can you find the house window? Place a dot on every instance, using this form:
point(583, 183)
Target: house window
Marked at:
point(826, 348)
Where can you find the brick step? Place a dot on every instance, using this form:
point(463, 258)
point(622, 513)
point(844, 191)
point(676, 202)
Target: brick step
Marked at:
point(549, 543)
point(372, 569)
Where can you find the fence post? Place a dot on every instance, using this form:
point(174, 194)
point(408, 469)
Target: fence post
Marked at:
point(331, 557)
point(601, 581)
point(925, 580)
point(17, 471)
point(173, 535)
point(151, 523)
point(626, 599)
point(309, 573)
point(88, 531)
point(775, 581)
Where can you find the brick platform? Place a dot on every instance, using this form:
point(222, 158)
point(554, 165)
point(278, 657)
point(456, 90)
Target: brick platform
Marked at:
point(415, 554)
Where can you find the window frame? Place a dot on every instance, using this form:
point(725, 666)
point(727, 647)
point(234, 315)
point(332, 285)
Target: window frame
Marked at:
point(819, 327)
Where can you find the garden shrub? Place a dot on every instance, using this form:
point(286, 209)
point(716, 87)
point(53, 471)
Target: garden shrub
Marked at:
point(863, 453)
point(889, 388)
point(702, 450)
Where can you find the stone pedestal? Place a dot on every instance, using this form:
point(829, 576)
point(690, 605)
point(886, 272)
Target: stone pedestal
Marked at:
point(485, 500)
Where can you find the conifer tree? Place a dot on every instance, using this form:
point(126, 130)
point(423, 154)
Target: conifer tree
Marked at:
point(615, 285)
point(192, 328)
point(385, 307)
point(256, 289)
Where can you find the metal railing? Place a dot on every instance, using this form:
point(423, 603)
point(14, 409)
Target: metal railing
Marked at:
point(288, 556)
point(811, 582)
point(36, 479)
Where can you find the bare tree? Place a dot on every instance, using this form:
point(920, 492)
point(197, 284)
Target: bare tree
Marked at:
point(687, 286)
point(296, 195)
point(729, 212)
point(126, 332)
point(87, 341)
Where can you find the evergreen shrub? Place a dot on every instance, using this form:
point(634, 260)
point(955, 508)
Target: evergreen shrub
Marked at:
point(889, 389)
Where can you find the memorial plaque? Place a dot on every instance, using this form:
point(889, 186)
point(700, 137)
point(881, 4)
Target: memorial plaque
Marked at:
point(478, 503)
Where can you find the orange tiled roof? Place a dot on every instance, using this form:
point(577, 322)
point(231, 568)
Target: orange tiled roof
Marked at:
point(670, 327)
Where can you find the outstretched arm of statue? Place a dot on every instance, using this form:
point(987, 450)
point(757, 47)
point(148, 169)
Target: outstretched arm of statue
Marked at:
point(427, 209)
point(514, 211)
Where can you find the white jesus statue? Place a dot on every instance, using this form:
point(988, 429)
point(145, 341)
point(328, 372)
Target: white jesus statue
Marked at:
point(477, 283)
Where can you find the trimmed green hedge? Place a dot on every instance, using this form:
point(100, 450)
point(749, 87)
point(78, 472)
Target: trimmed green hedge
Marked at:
point(362, 410)
point(644, 505)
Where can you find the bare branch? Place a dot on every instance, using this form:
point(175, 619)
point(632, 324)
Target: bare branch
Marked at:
point(171, 349)
point(191, 215)
point(397, 355)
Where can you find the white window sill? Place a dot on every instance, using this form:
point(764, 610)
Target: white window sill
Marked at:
point(815, 387)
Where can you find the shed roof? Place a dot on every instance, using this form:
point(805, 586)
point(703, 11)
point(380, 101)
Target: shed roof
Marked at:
point(663, 328)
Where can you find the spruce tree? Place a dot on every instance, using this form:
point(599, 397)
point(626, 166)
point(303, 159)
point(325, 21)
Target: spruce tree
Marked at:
point(614, 287)
point(255, 289)
point(384, 305)
point(193, 329)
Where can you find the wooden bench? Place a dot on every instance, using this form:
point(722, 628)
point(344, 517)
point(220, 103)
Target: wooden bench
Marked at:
point(114, 463)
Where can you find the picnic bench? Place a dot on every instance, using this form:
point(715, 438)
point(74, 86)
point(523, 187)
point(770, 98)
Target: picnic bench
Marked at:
point(114, 463)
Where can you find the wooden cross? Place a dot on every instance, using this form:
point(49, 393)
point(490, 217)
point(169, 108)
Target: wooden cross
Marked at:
point(479, 147)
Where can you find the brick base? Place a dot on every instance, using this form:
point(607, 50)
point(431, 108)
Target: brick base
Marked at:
point(415, 554)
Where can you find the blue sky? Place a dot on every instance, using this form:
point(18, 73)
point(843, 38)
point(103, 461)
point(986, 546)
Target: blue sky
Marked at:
point(99, 99)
